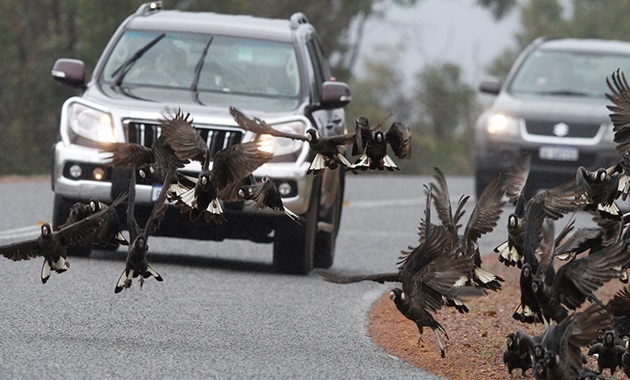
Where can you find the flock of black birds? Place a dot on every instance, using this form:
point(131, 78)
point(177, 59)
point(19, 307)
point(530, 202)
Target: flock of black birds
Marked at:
point(227, 176)
point(558, 272)
point(444, 269)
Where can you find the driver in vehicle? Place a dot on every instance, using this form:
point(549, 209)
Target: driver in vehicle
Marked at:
point(164, 67)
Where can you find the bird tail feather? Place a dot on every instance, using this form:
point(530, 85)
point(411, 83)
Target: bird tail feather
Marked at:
point(124, 281)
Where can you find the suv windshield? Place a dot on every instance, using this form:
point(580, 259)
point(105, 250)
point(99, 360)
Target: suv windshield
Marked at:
point(567, 73)
point(217, 70)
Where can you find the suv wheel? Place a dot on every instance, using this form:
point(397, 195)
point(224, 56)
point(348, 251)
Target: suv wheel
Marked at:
point(61, 210)
point(294, 242)
point(326, 238)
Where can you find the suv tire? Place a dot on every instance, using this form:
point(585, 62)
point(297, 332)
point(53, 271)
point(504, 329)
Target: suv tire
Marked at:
point(325, 240)
point(294, 242)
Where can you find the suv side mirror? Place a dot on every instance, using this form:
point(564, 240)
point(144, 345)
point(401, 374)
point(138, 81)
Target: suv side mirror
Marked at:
point(70, 72)
point(335, 95)
point(490, 86)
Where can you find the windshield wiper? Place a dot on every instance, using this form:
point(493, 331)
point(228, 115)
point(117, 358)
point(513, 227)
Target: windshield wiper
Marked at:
point(198, 67)
point(124, 68)
point(566, 93)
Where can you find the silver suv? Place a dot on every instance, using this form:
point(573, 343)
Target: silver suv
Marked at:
point(204, 63)
point(552, 106)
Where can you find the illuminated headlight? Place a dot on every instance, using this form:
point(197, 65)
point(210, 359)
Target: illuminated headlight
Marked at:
point(281, 146)
point(88, 126)
point(502, 124)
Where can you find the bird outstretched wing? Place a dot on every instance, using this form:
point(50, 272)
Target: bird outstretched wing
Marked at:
point(338, 278)
point(259, 126)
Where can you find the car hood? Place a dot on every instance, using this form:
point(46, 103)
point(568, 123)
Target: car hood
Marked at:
point(561, 107)
point(150, 98)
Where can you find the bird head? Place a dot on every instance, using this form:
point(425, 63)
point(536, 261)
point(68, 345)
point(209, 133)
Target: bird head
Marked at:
point(551, 359)
point(539, 370)
point(140, 243)
point(510, 341)
point(46, 230)
point(601, 175)
point(539, 352)
point(513, 221)
point(396, 294)
point(526, 271)
point(537, 285)
point(379, 136)
point(312, 135)
point(205, 177)
point(609, 337)
point(95, 205)
point(362, 122)
point(145, 170)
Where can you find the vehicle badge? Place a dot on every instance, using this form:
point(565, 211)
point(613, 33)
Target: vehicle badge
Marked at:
point(561, 129)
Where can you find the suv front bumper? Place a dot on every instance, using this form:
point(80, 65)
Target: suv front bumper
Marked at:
point(75, 168)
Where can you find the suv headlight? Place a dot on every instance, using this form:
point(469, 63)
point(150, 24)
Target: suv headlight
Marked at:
point(89, 127)
point(500, 124)
point(284, 147)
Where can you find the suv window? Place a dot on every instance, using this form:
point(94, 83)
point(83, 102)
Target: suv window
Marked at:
point(571, 73)
point(219, 70)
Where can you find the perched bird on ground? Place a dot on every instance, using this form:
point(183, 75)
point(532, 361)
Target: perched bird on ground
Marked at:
point(136, 264)
point(230, 166)
point(619, 307)
point(326, 148)
point(52, 245)
point(608, 353)
point(428, 274)
point(560, 348)
point(514, 356)
point(588, 374)
point(530, 345)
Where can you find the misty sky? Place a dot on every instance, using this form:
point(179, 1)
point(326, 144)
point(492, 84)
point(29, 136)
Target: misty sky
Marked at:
point(457, 31)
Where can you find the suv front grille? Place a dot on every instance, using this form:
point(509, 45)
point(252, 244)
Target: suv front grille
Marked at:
point(145, 133)
point(574, 130)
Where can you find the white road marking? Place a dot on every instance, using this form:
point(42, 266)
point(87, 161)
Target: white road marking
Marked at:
point(386, 203)
point(21, 232)
point(395, 202)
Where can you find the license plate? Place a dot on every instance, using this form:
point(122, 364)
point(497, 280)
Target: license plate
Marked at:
point(155, 192)
point(558, 153)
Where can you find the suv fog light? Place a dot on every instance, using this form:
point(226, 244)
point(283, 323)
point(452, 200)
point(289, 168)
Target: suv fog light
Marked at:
point(98, 173)
point(284, 189)
point(75, 171)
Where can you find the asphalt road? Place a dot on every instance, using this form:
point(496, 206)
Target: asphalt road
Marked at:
point(220, 312)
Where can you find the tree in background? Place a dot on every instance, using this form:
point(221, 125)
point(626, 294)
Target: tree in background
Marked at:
point(447, 110)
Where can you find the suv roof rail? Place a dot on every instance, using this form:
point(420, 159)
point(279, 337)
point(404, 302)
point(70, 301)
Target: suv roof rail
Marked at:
point(149, 7)
point(297, 19)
